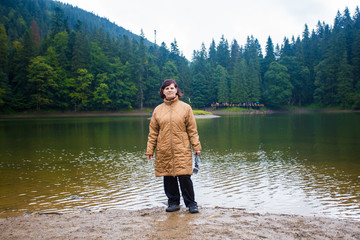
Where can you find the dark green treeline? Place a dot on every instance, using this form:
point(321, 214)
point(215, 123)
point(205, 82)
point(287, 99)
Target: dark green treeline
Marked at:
point(53, 58)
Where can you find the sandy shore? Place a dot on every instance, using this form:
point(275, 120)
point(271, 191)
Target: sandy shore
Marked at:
point(210, 223)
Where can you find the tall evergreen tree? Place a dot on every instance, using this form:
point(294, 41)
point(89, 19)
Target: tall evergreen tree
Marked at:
point(286, 50)
point(299, 76)
point(222, 78)
point(345, 85)
point(212, 54)
point(239, 83)
point(42, 82)
point(252, 58)
point(80, 89)
point(140, 69)
point(59, 22)
point(198, 97)
point(126, 53)
point(80, 53)
point(235, 55)
point(277, 86)
point(4, 88)
point(223, 53)
point(356, 58)
point(203, 87)
point(62, 51)
point(269, 56)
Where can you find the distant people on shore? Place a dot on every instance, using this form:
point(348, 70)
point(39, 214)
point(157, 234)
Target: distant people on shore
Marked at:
point(254, 105)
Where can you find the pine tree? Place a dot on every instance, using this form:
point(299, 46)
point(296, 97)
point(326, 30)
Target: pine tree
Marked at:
point(42, 81)
point(252, 58)
point(80, 52)
point(356, 53)
point(4, 87)
point(80, 89)
point(198, 97)
point(203, 86)
point(163, 55)
point(140, 69)
point(174, 50)
point(153, 83)
point(277, 86)
point(3, 50)
point(239, 83)
point(235, 55)
point(269, 57)
point(223, 53)
point(325, 83)
point(286, 50)
point(299, 76)
point(212, 54)
point(98, 62)
point(221, 77)
point(101, 92)
point(345, 87)
point(61, 47)
point(59, 22)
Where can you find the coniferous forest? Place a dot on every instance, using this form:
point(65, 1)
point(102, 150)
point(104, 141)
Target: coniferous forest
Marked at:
point(54, 56)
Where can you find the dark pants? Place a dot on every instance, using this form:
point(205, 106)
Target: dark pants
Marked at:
point(172, 190)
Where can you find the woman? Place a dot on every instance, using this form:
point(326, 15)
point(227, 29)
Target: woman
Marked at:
point(172, 129)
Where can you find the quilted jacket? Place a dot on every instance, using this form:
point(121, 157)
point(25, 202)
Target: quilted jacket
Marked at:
point(172, 130)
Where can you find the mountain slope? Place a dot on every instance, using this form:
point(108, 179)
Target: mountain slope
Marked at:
point(17, 16)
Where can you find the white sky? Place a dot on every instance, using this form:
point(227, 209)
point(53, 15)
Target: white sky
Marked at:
point(193, 22)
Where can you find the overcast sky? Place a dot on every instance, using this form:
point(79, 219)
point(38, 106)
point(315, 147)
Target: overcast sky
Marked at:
point(193, 22)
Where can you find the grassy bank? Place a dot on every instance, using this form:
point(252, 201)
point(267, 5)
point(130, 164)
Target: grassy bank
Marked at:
point(201, 112)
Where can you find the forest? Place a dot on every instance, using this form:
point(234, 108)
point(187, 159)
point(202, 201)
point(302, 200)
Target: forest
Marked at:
point(56, 57)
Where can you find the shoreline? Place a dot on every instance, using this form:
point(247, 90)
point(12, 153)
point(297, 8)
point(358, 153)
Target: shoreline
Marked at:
point(218, 112)
point(155, 223)
point(215, 113)
point(76, 114)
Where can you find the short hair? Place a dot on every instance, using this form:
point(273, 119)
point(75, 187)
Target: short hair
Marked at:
point(166, 83)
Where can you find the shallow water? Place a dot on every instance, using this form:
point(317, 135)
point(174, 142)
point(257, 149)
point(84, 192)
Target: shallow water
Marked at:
point(281, 163)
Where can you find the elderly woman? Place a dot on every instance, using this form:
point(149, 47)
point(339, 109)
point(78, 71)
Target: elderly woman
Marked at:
point(172, 129)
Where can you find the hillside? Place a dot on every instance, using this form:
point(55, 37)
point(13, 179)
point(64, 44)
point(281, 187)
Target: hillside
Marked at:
point(17, 16)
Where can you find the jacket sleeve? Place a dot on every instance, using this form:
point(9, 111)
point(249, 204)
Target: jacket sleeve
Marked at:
point(153, 135)
point(191, 128)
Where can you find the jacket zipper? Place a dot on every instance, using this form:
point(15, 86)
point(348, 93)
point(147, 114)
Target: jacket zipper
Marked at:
point(171, 143)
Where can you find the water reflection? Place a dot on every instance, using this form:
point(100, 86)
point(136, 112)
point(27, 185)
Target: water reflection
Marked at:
point(254, 182)
point(298, 164)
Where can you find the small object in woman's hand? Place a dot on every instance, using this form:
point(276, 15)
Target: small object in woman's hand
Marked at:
point(196, 168)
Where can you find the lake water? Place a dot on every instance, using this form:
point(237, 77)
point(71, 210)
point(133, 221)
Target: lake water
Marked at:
point(304, 164)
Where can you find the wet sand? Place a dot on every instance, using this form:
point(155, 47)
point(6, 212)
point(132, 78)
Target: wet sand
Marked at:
point(155, 223)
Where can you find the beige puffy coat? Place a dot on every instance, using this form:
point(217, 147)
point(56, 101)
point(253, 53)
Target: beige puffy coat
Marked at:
point(172, 129)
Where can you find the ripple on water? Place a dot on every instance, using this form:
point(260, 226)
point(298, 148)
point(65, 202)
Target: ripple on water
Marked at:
point(259, 181)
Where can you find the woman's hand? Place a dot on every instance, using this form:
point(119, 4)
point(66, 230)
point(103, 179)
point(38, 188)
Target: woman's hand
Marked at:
point(149, 157)
point(196, 153)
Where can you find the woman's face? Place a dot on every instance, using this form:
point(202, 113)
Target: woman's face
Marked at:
point(170, 91)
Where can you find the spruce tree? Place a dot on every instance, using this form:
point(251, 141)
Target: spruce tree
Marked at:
point(42, 82)
point(4, 85)
point(239, 83)
point(223, 53)
point(222, 79)
point(277, 86)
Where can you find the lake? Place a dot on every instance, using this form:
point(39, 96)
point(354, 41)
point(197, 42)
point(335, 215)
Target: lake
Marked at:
point(305, 164)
